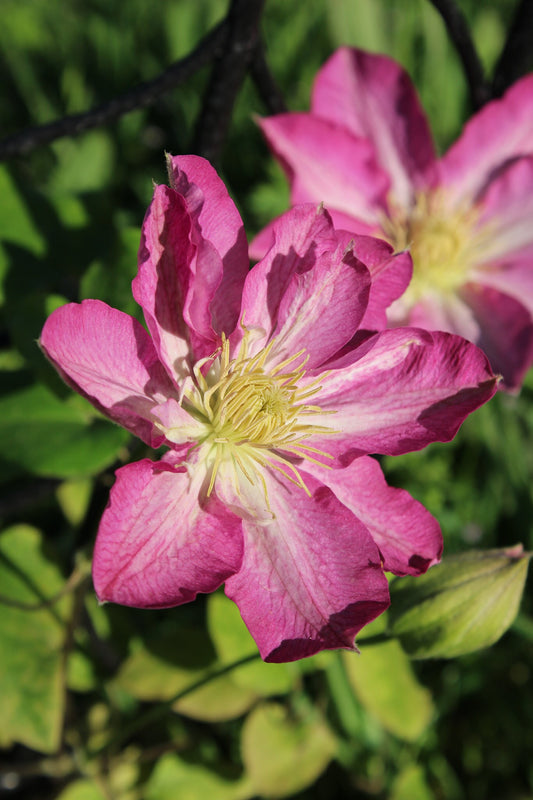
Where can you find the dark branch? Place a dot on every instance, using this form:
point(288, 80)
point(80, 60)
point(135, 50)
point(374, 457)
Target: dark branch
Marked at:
point(265, 83)
point(227, 76)
point(460, 35)
point(141, 96)
point(517, 55)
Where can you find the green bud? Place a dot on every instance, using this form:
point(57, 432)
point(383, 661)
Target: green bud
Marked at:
point(463, 604)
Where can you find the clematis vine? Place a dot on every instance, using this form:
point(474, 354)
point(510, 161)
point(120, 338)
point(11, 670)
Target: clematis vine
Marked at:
point(269, 402)
point(366, 151)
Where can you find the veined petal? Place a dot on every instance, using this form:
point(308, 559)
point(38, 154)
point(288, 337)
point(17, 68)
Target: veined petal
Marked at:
point(326, 163)
point(156, 547)
point(437, 311)
point(408, 536)
point(217, 221)
point(310, 282)
point(311, 577)
point(501, 131)
point(261, 244)
point(108, 357)
point(506, 332)
point(505, 252)
point(390, 274)
point(400, 390)
point(165, 272)
point(373, 97)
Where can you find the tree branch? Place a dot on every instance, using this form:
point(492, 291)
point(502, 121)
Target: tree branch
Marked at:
point(227, 76)
point(141, 96)
point(517, 55)
point(459, 33)
point(264, 80)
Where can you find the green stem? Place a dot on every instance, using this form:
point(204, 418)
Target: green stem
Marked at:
point(161, 709)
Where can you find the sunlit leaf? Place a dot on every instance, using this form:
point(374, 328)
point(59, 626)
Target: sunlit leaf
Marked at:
point(386, 685)
point(165, 665)
point(174, 778)
point(44, 436)
point(283, 754)
point(232, 641)
point(31, 641)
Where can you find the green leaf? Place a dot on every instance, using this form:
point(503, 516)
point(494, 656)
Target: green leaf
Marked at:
point(16, 224)
point(175, 778)
point(31, 642)
point(82, 790)
point(461, 605)
point(232, 641)
point(74, 498)
point(282, 754)
point(44, 436)
point(166, 665)
point(385, 684)
point(411, 784)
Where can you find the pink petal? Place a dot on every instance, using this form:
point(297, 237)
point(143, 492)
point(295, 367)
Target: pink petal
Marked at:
point(326, 163)
point(400, 390)
point(437, 312)
point(264, 240)
point(407, 535)
point(108, 357)
point(306, 283)
point(373, 97)
point(156, 547)
point(311, 578)
point(165, 274)
point(501, 131)
point(391, 275)
point(215, 220)
point(506, 332)
point(505, 251)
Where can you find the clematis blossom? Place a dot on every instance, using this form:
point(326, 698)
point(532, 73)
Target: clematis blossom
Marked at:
point(269, 402)
point(366, 151)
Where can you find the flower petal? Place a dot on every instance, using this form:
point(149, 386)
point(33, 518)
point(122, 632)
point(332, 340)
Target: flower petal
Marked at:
point(215, 220)
point(505, 251)
point(156, 547)
point(373, 97)
point(398, 391)
point(165, 273)
point(390, 273)
point(108, 357)
point(326, 163)
point(506, 332)
point(407, 535)
point(501, 131)
point(311, 577)
point(310, 282)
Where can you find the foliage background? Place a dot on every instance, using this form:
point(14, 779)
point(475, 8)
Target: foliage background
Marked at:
point(85, 691)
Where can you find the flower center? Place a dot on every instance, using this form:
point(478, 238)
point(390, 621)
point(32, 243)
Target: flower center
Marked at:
point(441, 241)
point(252, 415)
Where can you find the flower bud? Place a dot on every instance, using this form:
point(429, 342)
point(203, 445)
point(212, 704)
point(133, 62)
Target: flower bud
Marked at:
point(463, 604)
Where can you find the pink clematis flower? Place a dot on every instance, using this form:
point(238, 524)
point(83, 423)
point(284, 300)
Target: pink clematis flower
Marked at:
point(269, 403)
point(365, 150)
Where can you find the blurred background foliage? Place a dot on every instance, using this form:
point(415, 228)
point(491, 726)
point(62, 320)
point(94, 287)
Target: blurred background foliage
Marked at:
point(90, 696)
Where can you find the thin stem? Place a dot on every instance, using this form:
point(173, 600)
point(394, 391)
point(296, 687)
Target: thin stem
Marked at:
point(459, 33)
point(77, 577)
point(161, 709)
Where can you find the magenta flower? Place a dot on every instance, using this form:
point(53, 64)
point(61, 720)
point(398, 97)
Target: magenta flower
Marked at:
point(366, 151)
point(269, 402)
